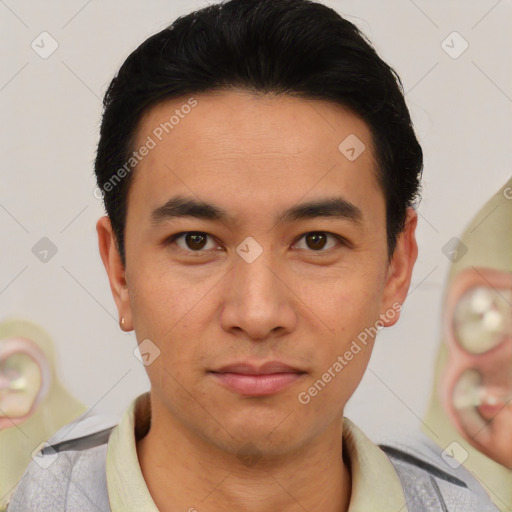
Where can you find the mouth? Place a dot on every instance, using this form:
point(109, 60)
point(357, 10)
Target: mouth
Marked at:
point(487, 401)
point(491, 403)
point(488, 412)
point(248, 379)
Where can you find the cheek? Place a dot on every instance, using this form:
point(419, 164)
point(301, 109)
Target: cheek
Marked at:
point(353, 311)
point(343, 354)
point(163, 302)
point(164, 326)
point(326, 392)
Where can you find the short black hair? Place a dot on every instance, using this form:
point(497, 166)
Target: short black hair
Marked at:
point(295, 47)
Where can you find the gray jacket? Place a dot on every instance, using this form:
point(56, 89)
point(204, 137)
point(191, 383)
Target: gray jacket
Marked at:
point(69, 474)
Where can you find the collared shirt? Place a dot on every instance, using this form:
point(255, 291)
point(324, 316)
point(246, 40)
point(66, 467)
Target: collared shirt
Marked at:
point(375, 483)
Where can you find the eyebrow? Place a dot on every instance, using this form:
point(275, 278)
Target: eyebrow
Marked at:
point(183, 207)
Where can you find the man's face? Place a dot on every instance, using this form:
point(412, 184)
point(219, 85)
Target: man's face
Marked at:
point(252, 288)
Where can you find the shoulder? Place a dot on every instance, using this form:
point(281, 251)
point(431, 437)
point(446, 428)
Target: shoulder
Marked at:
point(68, 471)
point(433, 479)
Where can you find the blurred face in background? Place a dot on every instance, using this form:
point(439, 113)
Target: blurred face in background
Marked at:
point(25, 378)
point(477, 381)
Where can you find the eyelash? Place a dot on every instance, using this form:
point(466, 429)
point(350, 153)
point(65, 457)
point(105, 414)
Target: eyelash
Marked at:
point(342, 241)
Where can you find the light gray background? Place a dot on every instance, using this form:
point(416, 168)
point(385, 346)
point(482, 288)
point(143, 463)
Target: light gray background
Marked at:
point(50, 120)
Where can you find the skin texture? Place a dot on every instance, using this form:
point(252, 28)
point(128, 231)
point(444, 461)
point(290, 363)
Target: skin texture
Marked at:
point(254, 156)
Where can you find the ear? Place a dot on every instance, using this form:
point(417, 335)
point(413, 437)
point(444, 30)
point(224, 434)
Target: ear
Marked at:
point(115, 271)
point(400, 271)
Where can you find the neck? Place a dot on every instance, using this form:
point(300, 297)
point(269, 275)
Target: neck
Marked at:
point(183, 471)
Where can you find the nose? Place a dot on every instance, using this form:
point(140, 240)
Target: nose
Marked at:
point(258, 299)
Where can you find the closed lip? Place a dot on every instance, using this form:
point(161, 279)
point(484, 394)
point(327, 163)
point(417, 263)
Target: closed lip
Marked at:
point(248, 368)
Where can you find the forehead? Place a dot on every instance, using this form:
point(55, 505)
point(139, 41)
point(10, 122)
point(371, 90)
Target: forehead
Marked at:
point(241, 144)
point(297, 125)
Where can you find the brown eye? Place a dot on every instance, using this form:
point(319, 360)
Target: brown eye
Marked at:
point(481, 318)
point(316, 241)
point(195, 241)
point(191, 241)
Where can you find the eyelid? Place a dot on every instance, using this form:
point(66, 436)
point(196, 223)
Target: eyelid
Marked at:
point(341, 240)
point(172, 239)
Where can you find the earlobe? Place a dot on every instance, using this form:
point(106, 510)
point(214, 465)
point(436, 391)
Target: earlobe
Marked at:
point(400, 270)
point(115, 270)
